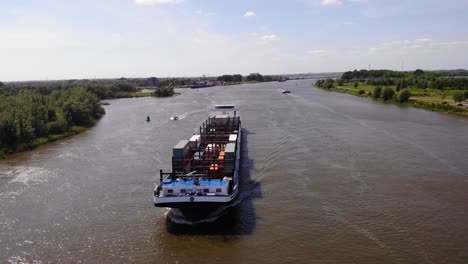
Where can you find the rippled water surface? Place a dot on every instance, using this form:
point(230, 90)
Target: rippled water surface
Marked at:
point(328, 178)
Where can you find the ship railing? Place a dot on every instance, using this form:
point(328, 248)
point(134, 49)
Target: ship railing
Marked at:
point(175, 176)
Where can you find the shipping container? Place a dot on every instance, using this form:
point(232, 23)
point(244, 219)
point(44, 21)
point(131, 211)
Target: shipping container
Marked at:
point(232, 138)
point(181, 149)
point(195, 141)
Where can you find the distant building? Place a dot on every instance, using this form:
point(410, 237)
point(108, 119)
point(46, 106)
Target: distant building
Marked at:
point(152, 81)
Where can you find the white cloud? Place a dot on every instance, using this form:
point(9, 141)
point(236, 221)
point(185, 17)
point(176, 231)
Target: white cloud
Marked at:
point(421, 53)
point(157, 2)
point(330, 2)
point(269, 38)
point(201, 12)
point(359, 1)
point(319, 52)
point(250, 14)
point(41, 47)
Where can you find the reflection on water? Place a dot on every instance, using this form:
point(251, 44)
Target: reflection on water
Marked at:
point(327, 178)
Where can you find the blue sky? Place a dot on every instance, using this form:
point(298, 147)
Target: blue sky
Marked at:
point(60, 39)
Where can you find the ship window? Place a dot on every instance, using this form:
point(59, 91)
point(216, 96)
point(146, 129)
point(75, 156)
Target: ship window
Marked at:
point(183, 190)
point(170, 191)
point(218, 190)
point(206, 190)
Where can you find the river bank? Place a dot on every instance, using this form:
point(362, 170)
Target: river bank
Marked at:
point(27, 146)
point(428, 99)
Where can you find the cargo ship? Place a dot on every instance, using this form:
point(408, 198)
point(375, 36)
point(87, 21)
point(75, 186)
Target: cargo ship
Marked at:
point(205, 168)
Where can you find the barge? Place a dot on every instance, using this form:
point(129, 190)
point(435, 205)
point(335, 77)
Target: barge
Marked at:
point(205, 168)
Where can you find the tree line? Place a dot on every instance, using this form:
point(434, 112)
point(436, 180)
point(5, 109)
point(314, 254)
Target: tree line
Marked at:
point(387, 93)
point(417, 79)
point(28, 114)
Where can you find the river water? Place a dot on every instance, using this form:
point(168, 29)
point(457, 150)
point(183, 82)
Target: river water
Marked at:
point(327, 178)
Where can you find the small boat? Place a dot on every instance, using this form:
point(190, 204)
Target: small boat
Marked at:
point(174, 117)
point(285, 91)
point(148, 119)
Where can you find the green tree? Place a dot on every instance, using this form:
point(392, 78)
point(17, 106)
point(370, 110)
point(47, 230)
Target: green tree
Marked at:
point(404, 95)
point(377, 91)
point(356, 84)
point(319, 83)
point(418, 72)
point(256, 77)
point(226, 78)
point(237, 78)
point(340, 82)
point(388, 93)
point(458, 96)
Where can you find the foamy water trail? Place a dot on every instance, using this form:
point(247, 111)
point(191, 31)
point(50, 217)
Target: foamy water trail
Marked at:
point(175, 216)
point(26, 175)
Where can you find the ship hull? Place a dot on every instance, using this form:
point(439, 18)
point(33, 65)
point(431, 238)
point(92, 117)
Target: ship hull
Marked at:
point(198, 210)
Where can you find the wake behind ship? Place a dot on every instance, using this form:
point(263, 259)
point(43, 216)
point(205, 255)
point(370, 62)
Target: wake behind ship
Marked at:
point(205, 168)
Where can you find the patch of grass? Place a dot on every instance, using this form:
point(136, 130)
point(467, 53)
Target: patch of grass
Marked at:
point(429, 99)
point(56, 137)
point(437, 107)
point(78, 129)
point(132, 95)
point(39, 141)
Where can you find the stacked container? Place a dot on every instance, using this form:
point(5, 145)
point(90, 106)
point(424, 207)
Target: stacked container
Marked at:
point(229, 158)
point(181, 157)
point(195, 141)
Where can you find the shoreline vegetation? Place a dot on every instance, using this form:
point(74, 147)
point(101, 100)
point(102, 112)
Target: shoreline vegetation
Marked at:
point(34, 116)
point(35, 113)
point(435, 91)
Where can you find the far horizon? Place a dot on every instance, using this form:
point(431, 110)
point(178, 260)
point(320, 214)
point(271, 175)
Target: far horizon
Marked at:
point(53, 40)
point(321, 74)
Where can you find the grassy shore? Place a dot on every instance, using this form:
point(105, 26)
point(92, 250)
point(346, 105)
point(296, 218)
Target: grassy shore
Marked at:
point(429, 99)
point(4, 152)
point(132, 95)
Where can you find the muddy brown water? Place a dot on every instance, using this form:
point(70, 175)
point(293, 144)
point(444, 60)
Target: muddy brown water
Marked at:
point(328, 178)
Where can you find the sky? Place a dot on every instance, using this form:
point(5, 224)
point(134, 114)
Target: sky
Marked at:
point(75, 39)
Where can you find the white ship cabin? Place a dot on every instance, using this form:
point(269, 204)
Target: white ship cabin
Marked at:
point(195, 186)
point(220, 111)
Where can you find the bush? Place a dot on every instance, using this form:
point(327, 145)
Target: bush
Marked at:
point(388, 93)
point(458, 96)
point(377, 91)
point(356, 84)
point(404, 95)
point(340, 82)
point(465, 94)
point(361, 92)
point(164, 92)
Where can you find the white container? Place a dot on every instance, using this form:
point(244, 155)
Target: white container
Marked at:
point(195, 141)
point(232, 138)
